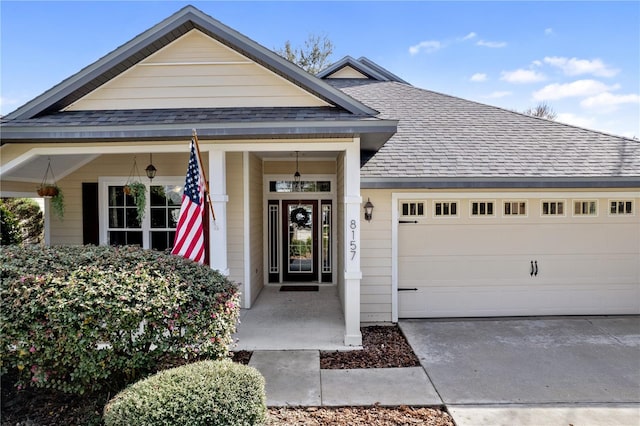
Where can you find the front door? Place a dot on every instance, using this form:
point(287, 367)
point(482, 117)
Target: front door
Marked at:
point(300, 240)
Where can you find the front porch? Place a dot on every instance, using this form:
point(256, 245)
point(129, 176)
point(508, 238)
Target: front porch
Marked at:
point(293, 320)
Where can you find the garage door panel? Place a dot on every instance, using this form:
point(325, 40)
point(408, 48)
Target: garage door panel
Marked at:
point(474, 267)
point(519, 300)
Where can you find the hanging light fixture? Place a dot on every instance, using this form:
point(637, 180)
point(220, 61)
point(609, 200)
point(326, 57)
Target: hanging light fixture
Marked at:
point(296, 177)
point(368, 210)
point(151, 170)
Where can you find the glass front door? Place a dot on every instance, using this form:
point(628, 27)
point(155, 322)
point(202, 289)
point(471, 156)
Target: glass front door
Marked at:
point(300, 240)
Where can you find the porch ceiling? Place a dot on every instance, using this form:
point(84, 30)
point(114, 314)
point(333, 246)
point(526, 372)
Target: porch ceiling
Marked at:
point(33, 169)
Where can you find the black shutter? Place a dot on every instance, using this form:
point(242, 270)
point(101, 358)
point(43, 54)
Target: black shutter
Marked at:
point(90, 222)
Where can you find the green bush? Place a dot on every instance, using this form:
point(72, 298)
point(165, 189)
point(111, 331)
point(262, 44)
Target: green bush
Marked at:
point(203, 393)
point(9, 227)
point(80, 319)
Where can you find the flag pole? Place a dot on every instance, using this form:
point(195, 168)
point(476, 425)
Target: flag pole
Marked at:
point(204, 175)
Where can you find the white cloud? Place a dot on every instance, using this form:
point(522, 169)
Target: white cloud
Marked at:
point(548, 31)
point(478, 77)
point(536, 63)
point(609, 102)
point(492, 44)
point(575, 66)
point(499, 94)
point(576, 88)
point(469, 36)
point(428, 46)
point(522, 76)
point(575, 120)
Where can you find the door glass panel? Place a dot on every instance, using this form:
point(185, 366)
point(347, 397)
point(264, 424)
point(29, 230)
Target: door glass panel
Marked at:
point(300, 238)
point(326, 238)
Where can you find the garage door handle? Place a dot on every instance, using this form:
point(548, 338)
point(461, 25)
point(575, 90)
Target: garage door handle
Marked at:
point(407, 289)
point(407, 221)
point(531, 271)
point(536, 264)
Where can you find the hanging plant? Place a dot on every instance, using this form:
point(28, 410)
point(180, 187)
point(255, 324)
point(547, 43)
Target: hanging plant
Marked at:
point(136, 189)
point(49, 188)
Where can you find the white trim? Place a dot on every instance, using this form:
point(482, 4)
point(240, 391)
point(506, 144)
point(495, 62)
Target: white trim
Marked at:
point(170, 64)
point(246, 202)
point(395, 198)
point(584, 200)
point(515, 216)
point(556, 201)
point(482, 216)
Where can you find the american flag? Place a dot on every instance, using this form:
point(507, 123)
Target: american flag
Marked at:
point(189, 240)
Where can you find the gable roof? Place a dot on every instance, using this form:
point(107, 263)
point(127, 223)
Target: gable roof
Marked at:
point(362, 65)
point(444, 141)
point(150, 41)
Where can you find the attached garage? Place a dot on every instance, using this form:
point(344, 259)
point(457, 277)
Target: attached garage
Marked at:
point(513, 254)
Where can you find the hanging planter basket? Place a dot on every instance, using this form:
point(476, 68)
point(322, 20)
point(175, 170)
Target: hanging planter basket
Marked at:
point(49, 189)
point(136, 189)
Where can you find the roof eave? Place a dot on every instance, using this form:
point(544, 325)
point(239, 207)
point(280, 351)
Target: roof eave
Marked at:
point(379, 130)
point(526, 182)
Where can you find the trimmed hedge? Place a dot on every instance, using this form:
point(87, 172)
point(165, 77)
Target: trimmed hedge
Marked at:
point(203, 393)
point(80, 319)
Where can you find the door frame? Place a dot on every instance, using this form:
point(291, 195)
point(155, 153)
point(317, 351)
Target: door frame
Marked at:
point(321, 198)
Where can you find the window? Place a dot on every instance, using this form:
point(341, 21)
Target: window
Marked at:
point(305, 186)
point(617, 207)
point(120, 224)
point(553, 208)
point(445, 208)
point(164, 203)
point(585, 208)
point(515, 208)
point(124, 228)
point(482, 208)
point(412, 208)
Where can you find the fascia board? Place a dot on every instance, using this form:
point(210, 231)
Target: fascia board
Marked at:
point(501, 182)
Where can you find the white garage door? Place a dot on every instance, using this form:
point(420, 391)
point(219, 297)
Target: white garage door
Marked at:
point(468, 257)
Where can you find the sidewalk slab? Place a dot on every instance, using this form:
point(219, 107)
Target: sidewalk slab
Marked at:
point(292, 377)
point(384, 386)
point(525, 415)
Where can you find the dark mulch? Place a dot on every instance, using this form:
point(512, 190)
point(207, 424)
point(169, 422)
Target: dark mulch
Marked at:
point(241, 357)
point(383, 346)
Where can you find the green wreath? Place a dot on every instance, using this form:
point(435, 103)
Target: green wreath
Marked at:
point(299, 216)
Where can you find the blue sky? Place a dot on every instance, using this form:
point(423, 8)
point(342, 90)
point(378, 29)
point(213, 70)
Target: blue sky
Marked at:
point(582, 58)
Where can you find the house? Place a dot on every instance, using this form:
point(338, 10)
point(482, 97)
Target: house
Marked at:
point(477, 211)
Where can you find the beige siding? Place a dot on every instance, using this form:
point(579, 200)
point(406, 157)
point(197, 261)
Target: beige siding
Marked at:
point(375, 240)
point(256, 222)
point(235, 216)
point(196, 71)
point(347, 72)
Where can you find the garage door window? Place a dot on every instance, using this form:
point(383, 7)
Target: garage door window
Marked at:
point(585, 208)
point(553, 208)
point(620, 207)
point(482, 208)
point(412, 208)
point(445, 208)
point(515, 208)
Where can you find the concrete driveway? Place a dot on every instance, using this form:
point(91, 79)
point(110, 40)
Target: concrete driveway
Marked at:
point(533, 371)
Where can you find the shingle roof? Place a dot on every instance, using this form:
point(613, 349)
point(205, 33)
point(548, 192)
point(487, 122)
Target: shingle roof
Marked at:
point(441, 136)
point(185, 115)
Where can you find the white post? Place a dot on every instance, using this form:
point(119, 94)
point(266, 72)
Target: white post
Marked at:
point(352, 272)
point(218, 229)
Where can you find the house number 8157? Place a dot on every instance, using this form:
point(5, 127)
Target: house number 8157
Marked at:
point(352, 244)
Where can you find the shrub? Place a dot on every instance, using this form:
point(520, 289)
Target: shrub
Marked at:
point(80, 319)
point(9, 227)
point(203, 393)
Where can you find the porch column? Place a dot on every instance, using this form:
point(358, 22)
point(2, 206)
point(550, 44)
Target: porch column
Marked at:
point(352, 272)
point(218, 229)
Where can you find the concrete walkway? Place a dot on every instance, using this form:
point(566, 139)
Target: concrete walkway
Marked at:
point(294, 378)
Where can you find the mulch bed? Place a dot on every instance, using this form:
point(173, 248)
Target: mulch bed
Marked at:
point(383, 347)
